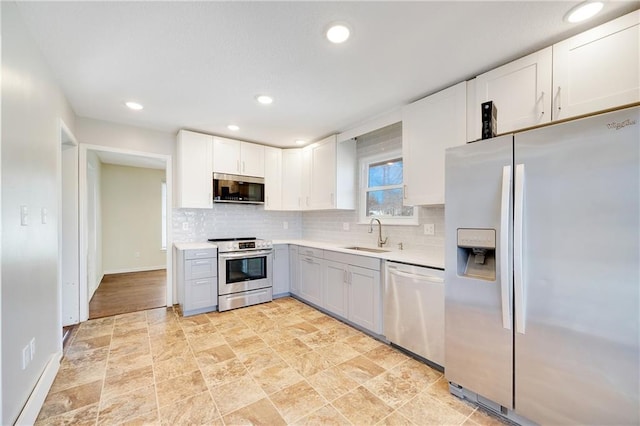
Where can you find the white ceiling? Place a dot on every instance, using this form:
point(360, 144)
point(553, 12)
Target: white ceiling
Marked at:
point(199, 65)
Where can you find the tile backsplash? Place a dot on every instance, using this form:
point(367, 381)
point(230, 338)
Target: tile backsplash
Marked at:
point(327, 226)
point(235, 220)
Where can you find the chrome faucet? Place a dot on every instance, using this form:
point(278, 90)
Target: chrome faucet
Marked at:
point(381, 242)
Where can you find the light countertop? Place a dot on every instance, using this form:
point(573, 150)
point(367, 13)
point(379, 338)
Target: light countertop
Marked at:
point(429, 258)
point(432, 258)
point(195, 246)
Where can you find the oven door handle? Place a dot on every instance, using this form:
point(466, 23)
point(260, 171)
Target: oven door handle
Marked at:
point(245, 254)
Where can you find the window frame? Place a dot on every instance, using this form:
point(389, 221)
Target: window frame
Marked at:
point(363, 166)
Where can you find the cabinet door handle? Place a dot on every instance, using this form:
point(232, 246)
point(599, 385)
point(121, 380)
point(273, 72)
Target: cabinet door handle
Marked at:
point(201, 262)
point(404, 191)
point(558, 99)
point(201, 254)
point(243, 166)
point(542, 102)
point(238, 165)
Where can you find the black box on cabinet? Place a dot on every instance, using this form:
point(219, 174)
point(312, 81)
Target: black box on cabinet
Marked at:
point(489, 119)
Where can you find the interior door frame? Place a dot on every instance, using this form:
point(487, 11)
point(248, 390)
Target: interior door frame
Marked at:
point(83, 219)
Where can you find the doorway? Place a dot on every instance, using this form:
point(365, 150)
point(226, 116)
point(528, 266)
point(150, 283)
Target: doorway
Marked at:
point(121, 285)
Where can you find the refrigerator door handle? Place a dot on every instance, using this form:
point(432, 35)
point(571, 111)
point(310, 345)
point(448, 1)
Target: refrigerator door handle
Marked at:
point(518, 274)
point(505, 279)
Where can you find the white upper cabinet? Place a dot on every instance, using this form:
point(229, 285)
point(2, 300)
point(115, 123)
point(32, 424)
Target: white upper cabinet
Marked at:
point(252, 159)
point(520, 90)
point(429, 127)
point(291, 179)
point(272, 178)
point(194, 170)
point(331, 174)
point(597, 69)
point(322, 185)
point(237, 157)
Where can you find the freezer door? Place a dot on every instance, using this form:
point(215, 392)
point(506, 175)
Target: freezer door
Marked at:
point(478, 331)
point(576, 342)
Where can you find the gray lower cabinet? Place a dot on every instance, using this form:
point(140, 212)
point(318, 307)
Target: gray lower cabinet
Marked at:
point(310, 268)
point(345, 285)
point(353, 290)
point(197, 280)
point(281, 279)
point(294, 271)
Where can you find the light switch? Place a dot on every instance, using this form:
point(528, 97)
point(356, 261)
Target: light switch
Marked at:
point(24, 215)
point(43, 215)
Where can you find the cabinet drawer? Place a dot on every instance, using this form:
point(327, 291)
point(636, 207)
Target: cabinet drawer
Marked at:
point(368, 262)
point(310, 251)
point(201, 293)
point(200, 254)
point(200, 268)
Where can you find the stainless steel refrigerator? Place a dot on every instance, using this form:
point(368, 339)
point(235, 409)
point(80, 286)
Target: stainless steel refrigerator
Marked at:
point(542, 271)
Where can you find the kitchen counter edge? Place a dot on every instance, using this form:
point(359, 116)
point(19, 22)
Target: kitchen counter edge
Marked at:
point(429, 259)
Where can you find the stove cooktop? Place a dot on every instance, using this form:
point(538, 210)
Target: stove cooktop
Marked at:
point(217, 240)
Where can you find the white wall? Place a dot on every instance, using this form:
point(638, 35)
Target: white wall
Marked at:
point(32, 105)
point(131, 219)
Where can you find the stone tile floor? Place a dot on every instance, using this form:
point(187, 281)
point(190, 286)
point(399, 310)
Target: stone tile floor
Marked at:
point(272, 364)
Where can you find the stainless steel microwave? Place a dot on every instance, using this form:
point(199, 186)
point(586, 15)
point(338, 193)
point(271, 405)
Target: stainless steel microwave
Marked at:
point(237, 189)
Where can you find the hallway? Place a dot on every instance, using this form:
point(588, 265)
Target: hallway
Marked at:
point(129, 292)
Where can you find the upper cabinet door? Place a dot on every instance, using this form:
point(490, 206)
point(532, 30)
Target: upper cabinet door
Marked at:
point(520, 90)
point(429, 127)
point(292, 179)
point(251, 159)
point(322, 190)
point(272, 178)
point(597, 69)
point(237, 158)
point(194, 169)
point(226, 156)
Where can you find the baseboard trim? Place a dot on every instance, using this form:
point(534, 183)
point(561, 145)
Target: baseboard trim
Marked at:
point(138, 269)
point(39, 393)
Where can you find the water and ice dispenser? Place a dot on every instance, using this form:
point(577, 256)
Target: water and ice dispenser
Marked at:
point(477, 253)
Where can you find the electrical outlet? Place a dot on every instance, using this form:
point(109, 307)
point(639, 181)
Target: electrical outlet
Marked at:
point(285, 225)
point(32, 348)
point(345, 226)
point(185, 226)
point(429, 229)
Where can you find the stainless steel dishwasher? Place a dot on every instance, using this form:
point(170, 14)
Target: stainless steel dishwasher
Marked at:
point(414, 310)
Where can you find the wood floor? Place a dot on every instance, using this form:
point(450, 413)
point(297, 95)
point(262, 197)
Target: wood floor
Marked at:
point(130, 292)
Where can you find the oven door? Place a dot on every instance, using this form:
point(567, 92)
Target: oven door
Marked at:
point(243, 271)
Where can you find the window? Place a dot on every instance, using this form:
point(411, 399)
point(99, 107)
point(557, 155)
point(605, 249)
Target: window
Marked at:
point(381, 190)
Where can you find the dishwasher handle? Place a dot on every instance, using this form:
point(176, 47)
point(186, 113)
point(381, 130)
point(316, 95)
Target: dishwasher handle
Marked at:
point(430, 278)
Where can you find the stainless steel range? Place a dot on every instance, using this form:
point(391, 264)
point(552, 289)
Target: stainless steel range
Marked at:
point(244, 272)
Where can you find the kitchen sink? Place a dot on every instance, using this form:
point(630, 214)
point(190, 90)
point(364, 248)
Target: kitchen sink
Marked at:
point(369, 249)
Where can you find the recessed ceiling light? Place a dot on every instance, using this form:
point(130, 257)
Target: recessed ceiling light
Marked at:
point(134, 106)
point(338, 33)
point(264, 99)
point(583, 11)
point(233, 127)
point(300, 142)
